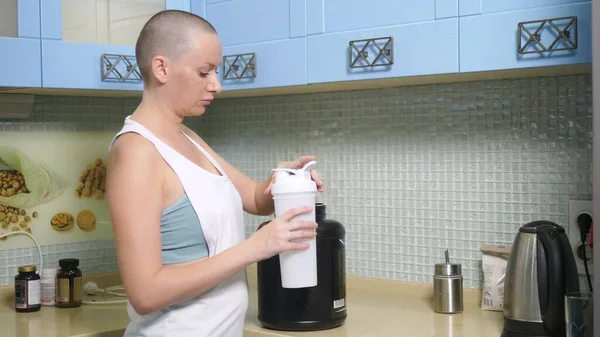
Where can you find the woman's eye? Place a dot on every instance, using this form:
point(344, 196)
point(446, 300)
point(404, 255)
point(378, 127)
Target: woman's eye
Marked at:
point(204, 74)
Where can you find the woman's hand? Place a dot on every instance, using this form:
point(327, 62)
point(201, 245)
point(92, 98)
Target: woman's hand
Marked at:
point(277, 236)
point(298, 164)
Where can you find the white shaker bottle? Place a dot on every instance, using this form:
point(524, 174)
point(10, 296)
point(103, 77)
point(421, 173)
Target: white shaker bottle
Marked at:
point(295, 188)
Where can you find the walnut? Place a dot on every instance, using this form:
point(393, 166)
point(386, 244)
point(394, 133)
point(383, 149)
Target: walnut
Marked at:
point(62, 221)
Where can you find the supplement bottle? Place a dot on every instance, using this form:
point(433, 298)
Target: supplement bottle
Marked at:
point(27, 290)
point(49, 286)
point(69, 284)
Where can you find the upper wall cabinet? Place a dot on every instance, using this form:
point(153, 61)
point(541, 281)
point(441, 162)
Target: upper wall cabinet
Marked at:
point(398, 51)
point(264, 65)
point(20, 56)
point(91, 44)
point(264, 41)
point(274, 43)
point(548, 36)
point(474, 7)
point(250, 21)
point(329, 16)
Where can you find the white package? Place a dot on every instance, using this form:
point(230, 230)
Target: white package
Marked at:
point(494, 262)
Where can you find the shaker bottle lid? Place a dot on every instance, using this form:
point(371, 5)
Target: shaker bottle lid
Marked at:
point(294, 180)
point(447, 268)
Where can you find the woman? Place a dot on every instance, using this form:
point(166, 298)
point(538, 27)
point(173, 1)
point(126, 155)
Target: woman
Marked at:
point(176, 206)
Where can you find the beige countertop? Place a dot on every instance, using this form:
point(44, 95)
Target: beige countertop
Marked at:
point(375, 308)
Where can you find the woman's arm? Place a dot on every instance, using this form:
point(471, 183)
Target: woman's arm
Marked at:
point(134, 195)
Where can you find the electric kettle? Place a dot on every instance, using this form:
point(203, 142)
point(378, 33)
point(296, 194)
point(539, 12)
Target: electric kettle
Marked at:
point(540, 270)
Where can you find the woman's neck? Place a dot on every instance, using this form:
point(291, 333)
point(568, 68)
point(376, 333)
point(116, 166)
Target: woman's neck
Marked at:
point(157, 117)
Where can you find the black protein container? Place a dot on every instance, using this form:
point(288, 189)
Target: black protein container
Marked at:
point(307, 309)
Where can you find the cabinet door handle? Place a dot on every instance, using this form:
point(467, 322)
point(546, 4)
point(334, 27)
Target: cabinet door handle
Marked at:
point(529, 35)
point(119, 68)
point(358, 55)
point(239, 66)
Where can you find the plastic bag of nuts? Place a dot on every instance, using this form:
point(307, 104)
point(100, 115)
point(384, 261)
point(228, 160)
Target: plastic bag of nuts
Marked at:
point(27, 183)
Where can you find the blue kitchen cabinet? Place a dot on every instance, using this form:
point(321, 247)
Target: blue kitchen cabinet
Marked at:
point(20, 53)
point(264, 65)
point(250, 21)
point(526, 38)
point(263, 41)
point(417, 49)
point(495, 6)
point(329, 16)
point(91, 44)
point(279, 43)
point(446, 9)
point(469, 7)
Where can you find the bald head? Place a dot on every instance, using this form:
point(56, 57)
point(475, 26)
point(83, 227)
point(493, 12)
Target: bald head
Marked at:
point(169, 33)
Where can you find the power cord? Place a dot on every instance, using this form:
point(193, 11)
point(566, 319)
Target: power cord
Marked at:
point(91, 288)
point(584, 221)
point(37, 245)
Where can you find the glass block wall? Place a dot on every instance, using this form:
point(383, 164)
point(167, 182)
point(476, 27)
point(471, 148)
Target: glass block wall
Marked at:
point(409, 171)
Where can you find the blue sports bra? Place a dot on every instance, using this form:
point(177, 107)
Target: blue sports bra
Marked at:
point(181, 233)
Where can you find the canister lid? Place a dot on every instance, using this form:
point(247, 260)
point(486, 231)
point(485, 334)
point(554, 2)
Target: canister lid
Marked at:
point(448, 269)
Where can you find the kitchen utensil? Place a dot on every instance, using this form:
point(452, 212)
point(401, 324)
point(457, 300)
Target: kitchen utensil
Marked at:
point(540, 271)
point(448, 287)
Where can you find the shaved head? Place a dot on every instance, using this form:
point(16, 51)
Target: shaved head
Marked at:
point(169, 33)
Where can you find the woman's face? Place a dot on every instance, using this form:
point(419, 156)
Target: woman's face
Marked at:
point(192, 78)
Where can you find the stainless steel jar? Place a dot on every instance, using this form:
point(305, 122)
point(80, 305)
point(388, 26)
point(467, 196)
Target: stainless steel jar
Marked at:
point(448, 287)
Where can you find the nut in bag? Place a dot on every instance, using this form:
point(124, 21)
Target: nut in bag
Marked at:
point(26, 183)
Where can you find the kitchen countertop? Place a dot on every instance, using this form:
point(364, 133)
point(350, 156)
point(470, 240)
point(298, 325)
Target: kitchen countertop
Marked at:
point(375, 308)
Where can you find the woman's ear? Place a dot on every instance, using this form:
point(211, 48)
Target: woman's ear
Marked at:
point(160, 68)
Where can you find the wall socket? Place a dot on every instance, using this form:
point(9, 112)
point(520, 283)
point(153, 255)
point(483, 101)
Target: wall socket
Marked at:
point(577, 207)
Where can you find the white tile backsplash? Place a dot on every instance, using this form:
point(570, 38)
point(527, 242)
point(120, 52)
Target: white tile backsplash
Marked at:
point(409, 171)
point(412, 171)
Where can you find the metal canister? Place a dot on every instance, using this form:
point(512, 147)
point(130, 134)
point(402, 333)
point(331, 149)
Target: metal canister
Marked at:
point(448, 287)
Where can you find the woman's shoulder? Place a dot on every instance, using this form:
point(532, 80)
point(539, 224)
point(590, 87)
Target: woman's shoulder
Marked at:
point(133, 152)
point(133, 144)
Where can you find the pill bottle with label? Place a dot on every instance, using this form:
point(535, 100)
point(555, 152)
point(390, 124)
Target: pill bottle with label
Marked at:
point(68, 284)
point(49, 287)
point(27, 290)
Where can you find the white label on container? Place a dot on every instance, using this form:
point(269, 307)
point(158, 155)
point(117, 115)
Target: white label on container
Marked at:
point(34, 292)
point(48, 292)
point(339, 303)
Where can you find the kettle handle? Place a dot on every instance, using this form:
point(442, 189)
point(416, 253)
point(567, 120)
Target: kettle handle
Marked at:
point(554, 296)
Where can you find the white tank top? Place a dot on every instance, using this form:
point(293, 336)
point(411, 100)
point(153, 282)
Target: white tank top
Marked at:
point(221, 311)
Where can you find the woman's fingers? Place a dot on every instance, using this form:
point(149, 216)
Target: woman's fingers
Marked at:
point(317, 178)
point(300, 162)
point(297, 246)
point(289, 215)
point(299, 225)
point(301, 234)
